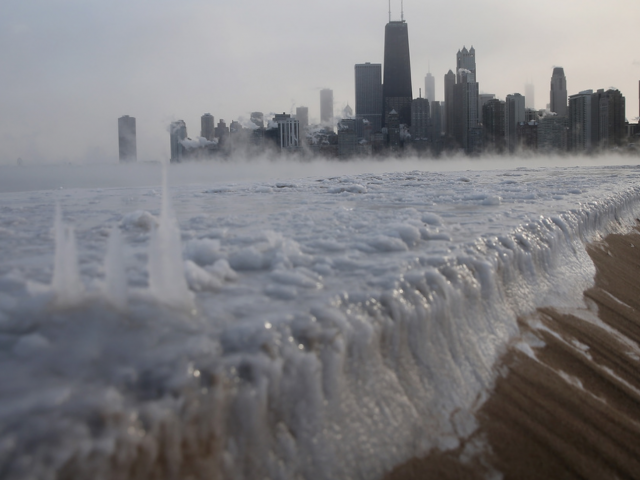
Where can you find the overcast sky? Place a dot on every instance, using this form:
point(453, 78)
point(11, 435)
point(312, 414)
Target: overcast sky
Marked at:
point(70, 68)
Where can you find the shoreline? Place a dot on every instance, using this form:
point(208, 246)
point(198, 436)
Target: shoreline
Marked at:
point(570, 406)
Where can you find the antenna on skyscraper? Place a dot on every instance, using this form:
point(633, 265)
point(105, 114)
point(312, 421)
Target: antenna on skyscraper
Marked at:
point(389, 10)
point(402, 10)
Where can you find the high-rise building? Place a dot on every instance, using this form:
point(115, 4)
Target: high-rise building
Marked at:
point(611, 117)
point(127, 148)
point(257, 118)
point(466, 60)
point(465, 111)
point(177, 133)
point(552, 133)
point(436, 120)
point(420, 119)
point(449, 85)
point(302, 115)
point(558, 93)
point(207, 125)
point(326, 106)
point(222, 131)
point(529, 99)
point(493, 123)
point(430, 88)
point(396, 88)
point(288, 131)
point(581, 127)
point(347, 140)
point(369, 95)
point(514, 114)
point(483, 98)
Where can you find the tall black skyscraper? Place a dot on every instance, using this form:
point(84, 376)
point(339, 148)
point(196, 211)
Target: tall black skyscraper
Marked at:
point(396, 89)
point(369, 94)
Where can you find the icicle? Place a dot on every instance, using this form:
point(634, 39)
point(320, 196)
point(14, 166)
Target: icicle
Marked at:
point(66, 283)
point(116, 278)
point(166, 267)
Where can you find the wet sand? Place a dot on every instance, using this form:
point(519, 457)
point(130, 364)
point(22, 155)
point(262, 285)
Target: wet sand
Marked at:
point(572, 410)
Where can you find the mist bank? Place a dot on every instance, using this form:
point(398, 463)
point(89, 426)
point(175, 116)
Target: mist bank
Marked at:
point(241, 169)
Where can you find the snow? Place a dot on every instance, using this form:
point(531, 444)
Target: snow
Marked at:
point(316, 327)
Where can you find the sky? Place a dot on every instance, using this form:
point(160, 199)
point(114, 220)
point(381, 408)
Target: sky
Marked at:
point(70, 68)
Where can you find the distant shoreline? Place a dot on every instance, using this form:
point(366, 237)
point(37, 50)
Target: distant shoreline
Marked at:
point(572, 409)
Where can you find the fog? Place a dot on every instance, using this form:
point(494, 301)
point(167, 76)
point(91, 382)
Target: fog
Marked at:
point(239, 169)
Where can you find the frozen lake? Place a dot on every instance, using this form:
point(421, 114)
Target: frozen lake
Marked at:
point(324, 320)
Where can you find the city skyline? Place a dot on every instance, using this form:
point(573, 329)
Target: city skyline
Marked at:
point(67, 64)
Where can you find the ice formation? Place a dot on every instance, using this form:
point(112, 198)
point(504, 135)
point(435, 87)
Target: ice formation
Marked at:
point(66, 284)
point(318, 328)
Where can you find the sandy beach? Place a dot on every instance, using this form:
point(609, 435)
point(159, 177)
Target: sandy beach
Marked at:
point(570, 406)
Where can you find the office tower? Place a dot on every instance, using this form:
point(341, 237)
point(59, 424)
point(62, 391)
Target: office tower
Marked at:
point(222, 131)
point(347, 112)
point(465, 111)
point(449, 85)
point(257, 118)
point(396, 86)
point(288, 130)
point(326, 106)
point(302, 115)
point(393, 130)
point(347, 139)
point(436, 120)
point(368, 83)
point(530, 115)
point(514, 114)
point(128, 151)
point(611, 117)
point(558, 94)
point(529, 99)
point(420, 119)
point(177, 133)
point(369, 94)
point(235, 127)
point(466, 60)
point(430, 88)
point(207, 126)
point(493, 123)
point(581, 131)
point(552, 133)
point(483, 98)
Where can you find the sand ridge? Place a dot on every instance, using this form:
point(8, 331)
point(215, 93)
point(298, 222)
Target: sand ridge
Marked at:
point(570, 406)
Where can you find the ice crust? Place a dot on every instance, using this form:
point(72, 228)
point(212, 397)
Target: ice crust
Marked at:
point(319, 328)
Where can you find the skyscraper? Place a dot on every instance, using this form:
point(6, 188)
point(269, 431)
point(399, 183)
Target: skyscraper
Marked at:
point(466, 60)
point(514, 114)
point(465, 110)
point(436, 120)
point(127, 139)
point(177, 133)
point(581, 131)
point(449, 84)
point(529, 98)
point(558, 94)
point(302, 115)
point(326, 106)
point(430, 88)
point(396, 89)
point(611, 117)
point(207, 126)
point(493, 122)
point(369, 94)
point(420, 119)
